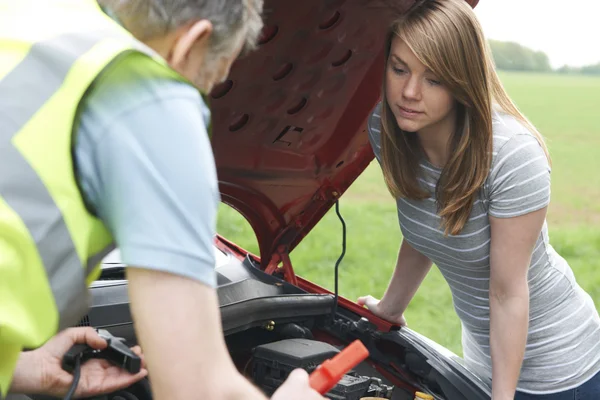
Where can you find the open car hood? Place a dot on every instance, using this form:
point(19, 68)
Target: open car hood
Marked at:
point(289, 126)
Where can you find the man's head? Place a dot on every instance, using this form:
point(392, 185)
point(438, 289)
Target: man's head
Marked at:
point(199, 38)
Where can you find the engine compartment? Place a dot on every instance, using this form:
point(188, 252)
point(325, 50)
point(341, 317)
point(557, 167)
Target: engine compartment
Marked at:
point(272, 327)
point(272, 362)
point(269, 364)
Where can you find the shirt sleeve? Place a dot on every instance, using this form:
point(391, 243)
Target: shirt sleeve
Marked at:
point(146, 166)
point(519, 178)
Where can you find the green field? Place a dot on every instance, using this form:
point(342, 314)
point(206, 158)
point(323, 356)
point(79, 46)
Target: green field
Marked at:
point(565, 110)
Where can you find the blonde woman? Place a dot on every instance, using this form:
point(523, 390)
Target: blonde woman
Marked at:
point(471, 177)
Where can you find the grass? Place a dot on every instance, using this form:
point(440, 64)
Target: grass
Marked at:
point(563, 109)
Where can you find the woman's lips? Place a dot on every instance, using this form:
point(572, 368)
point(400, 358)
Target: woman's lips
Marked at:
point(408, 112)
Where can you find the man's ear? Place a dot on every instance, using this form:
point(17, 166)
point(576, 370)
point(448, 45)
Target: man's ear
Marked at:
point(192, 35)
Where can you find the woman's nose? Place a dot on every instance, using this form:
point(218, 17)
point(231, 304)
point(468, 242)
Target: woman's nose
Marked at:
point(412, 88)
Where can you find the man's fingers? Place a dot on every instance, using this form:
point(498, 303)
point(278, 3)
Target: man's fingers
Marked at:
point(300, 381)
point(138, 351)
point(114, 378)
point(299, 377)
point(300, 374)
point(86, 335)
point(125, 379)
point(94, 340)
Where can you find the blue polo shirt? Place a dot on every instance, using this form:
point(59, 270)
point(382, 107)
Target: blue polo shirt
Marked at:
point(145, 165)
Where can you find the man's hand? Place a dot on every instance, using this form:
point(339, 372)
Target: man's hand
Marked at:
point(296, 387)
point(40, 371)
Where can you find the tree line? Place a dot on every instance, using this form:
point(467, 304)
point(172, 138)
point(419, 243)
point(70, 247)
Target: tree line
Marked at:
point(511, 56)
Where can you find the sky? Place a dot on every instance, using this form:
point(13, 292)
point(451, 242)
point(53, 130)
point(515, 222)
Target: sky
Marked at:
point(568, 31)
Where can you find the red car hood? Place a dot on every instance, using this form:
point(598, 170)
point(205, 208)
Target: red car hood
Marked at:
point(289, 126)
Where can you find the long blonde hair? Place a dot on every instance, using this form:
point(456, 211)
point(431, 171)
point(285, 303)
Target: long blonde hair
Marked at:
point(446, 37)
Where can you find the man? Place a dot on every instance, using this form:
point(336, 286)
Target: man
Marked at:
point(103, 139)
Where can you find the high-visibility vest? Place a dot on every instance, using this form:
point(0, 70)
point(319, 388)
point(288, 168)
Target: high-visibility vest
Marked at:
point(51, 52)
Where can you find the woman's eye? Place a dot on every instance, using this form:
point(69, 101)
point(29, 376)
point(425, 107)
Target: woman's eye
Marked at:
point(398, 71)
point(434, 82)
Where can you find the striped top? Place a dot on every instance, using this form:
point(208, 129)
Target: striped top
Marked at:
point(563, 344)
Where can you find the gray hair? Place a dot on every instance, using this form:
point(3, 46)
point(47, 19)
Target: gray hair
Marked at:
point(148, 19)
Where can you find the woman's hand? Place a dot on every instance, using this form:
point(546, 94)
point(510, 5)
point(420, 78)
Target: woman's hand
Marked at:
point(374, 305)
point(40, 372)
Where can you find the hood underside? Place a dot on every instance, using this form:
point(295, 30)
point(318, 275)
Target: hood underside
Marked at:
point(289, 126)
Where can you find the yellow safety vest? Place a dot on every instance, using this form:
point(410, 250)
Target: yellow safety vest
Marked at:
point(51, 52)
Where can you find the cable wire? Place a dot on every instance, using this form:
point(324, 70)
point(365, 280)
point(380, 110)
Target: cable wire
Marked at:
point(339, 260)
point(76, 374)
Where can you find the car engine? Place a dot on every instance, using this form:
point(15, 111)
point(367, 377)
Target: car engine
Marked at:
point(271, 363)
point(272, 327)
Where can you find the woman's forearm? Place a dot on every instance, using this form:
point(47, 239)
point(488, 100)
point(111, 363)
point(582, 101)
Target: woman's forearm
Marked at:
point(411, 269)
point(509, 317)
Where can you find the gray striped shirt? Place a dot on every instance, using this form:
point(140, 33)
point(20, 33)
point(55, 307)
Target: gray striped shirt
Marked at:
point(563, 344)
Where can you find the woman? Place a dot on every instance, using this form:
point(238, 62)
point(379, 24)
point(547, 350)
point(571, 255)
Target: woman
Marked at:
point(472, 181)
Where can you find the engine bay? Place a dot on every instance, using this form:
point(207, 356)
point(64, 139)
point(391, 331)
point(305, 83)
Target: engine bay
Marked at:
point(269, 364)
point(273, 362)
point(272, 327)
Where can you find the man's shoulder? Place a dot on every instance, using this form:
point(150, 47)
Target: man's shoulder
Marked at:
point(138, 68)
point(127, 84)
point(134, 115)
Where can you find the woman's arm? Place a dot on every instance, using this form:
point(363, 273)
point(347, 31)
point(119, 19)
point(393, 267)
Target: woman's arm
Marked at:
point(519, 194)
point(512, 244)
point(411, 269)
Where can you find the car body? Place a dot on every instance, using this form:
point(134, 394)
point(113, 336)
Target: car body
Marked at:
point(289, 138)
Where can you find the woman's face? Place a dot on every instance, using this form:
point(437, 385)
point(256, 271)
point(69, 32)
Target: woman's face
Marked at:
point(416, 97)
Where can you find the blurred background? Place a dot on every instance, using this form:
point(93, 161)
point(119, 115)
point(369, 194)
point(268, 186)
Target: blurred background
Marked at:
point(548, 56)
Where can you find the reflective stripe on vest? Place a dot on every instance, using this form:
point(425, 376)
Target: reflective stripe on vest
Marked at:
point(53, 240)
